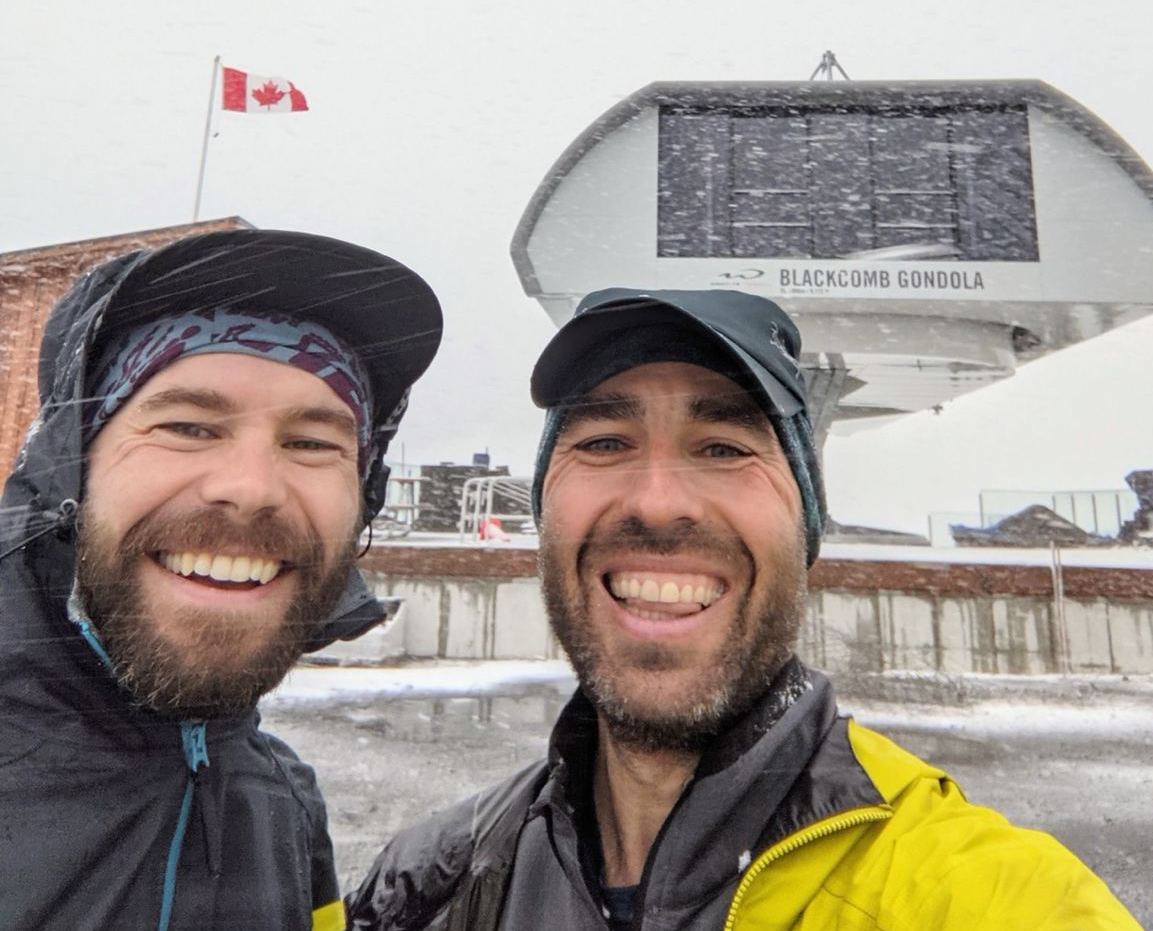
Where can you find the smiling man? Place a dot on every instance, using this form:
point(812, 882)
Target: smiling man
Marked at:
point(701, 777)
point(181, 526)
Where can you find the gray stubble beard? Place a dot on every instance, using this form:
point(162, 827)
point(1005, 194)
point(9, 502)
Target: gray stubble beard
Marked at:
point(745, 666)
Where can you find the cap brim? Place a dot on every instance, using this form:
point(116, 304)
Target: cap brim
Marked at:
point(558, 370)
point(382, 310)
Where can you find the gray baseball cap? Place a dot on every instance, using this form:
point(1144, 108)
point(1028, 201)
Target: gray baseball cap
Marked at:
point(760, 339)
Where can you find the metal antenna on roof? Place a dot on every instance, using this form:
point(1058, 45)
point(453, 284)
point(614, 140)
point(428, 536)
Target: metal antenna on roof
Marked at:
point(828, 63)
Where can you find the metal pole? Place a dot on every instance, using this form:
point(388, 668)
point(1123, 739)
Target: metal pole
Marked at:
point(827, 64)
point(464, 508)
point(204, 144)
point(477, 506)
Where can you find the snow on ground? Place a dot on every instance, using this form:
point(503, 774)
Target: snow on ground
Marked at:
point(997, 720)
point(425, 679)
point(996, 707)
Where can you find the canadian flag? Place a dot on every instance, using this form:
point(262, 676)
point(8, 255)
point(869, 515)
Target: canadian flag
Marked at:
point(254, 93)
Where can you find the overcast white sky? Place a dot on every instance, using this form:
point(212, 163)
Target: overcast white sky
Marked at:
point(432, 123)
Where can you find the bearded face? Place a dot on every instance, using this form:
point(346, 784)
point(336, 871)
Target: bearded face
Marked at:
point(217, 530)
point(672, 553)
point(657, 695)
point(200, 661)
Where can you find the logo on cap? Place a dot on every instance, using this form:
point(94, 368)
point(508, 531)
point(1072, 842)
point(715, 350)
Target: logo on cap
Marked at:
point(779, 341)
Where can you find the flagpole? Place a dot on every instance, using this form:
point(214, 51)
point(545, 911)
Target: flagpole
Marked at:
point(204, 145)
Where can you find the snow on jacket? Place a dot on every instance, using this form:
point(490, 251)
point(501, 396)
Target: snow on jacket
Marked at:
point(111, 817)
point(795, 819)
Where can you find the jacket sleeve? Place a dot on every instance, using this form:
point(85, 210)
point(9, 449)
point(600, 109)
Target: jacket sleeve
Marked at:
point(412, 880)
point(942, 862)
point(449, 873)
point(977, 872)
point(323, 889)
point(932, 860)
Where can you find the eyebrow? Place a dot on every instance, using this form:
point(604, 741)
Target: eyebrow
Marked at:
point(739, 410)
point(217, 403)
point(602, 407)
point(204, 398)
point(327, 416)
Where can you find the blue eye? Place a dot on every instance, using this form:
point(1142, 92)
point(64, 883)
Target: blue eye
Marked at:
point(725, 451)
point(601, 444)
point(194, 431)
point(312, 445)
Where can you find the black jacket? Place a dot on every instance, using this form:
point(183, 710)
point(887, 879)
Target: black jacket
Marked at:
point(525, 854)
point(103, 821)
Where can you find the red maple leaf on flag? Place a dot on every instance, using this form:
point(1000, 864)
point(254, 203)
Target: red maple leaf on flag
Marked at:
point(267, 94)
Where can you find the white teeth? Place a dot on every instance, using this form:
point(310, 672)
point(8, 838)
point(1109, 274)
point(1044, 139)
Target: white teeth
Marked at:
point(700, 590)
point(222, 568)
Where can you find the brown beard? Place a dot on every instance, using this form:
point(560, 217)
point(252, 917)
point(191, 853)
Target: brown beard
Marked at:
point(759, 641)
point(217, 676)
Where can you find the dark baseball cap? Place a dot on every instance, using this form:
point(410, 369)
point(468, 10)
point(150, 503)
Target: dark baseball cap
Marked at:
point(759, 338)
point(382, 311)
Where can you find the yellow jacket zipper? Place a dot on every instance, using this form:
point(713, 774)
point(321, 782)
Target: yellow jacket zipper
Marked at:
point(821, 829)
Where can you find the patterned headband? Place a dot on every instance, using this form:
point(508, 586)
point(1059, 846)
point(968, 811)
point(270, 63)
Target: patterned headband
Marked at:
point(139, 353)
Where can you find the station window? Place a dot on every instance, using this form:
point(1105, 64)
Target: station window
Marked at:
point(921, 184)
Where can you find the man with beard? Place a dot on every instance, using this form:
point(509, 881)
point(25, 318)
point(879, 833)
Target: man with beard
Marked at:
point(180, 527)
point(701, 777)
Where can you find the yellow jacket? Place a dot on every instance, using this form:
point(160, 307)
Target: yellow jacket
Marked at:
point(926, 859)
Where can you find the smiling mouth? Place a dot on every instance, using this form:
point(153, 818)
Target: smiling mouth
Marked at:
point(222, 570)
point(664, 593)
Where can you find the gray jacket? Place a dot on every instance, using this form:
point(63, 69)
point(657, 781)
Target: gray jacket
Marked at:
point(525, 855)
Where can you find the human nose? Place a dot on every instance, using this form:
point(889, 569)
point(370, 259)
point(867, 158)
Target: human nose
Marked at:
point(246, 478)
point(664, 490)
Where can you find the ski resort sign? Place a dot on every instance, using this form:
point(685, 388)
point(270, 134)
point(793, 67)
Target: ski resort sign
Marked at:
point(950, 280)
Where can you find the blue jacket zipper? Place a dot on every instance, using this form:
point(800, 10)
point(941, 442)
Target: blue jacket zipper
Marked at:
point(194, 742)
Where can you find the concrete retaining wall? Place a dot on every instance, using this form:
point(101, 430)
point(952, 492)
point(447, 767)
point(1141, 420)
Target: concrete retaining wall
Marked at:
point(939, 619)
point(861, 632)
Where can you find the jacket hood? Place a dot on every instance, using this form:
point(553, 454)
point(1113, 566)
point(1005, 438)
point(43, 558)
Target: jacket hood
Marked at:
point(40, 499)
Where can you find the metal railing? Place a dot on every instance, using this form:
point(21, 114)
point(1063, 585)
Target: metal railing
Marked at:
point(478, 498)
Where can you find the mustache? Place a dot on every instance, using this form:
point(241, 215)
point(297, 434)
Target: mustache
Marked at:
point(633, 535)
point(209, 529)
